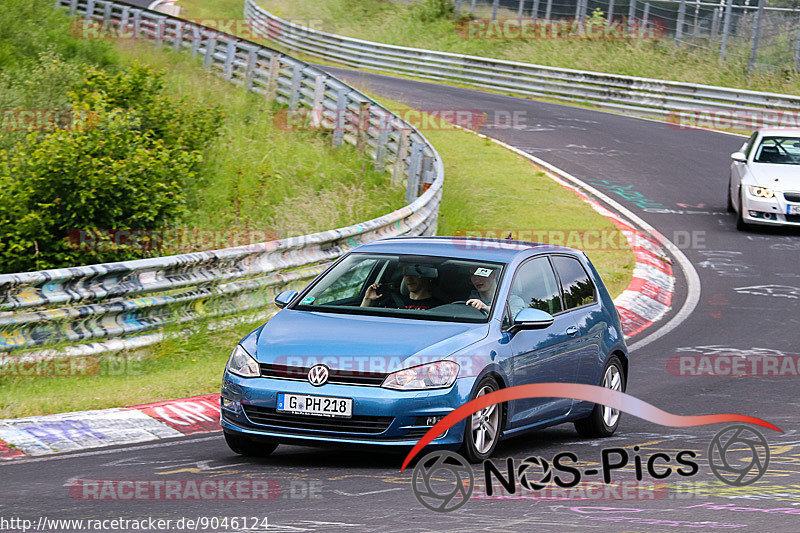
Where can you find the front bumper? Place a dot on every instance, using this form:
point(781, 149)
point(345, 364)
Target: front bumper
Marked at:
point(400, 412)
point(768, 211)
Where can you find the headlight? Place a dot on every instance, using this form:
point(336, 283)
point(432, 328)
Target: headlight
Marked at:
point(242, 364)
point(760, 192)
point(429, 376)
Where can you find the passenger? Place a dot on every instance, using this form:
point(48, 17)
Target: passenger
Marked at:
point(485, 282)
point(418, 280)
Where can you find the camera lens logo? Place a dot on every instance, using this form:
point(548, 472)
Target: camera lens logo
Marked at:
point(738, 455)
point(527, 469)
point(442, 481)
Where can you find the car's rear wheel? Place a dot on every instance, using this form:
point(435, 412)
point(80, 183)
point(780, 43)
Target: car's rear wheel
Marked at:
point(248, 447)
point(603, 420)
point(741, 225)
point(482, 431)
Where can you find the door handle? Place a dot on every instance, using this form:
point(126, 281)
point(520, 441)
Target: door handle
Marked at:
point(572, 331)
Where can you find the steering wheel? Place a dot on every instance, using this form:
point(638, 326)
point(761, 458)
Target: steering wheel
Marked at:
point(464, 302)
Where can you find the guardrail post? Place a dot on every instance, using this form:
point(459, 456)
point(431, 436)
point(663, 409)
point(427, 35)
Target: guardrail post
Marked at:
point(715, 23)
point(797, 49)
point(495, 6)
point(726, 27)
point(196, 38)
point(679, 26)
point(535, 10)
point(137, 23)
point(645, 18)
point(414, 169)
point(383, 141)
point(89, 9)
point(631, 22)
point(230, 55)
point(251, 67)
point(106, 12)
point(458, 7)
point(318, 105)
point(340, 121)
point(548, 9)
point(297, 78)
point(610, 13)
point(211, 48)
point(400, 156)
point(756, 34)
point(73, 6)
point(520, 9)
point(363, 125)
point(427, 173)
point(124, 20)
point(178, 35)
point(159, 31)
point(274, 72)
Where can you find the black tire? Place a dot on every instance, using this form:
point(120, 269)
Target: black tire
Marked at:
point(469, 448)
point(730, 201)
point(741, 225)
point(248, 447)
point(595, 424)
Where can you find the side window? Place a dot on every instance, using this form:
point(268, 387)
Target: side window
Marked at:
point(578, 289)
point(349, 285)
point(535, 286)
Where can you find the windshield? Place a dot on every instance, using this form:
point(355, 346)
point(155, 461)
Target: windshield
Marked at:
point(778, 150)
point(408, 286)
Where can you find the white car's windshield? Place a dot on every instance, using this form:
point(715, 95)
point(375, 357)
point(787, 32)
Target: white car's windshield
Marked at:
point(778, 150)
point(410, 286)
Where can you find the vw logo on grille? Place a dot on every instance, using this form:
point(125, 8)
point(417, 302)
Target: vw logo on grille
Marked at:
point(318, 375)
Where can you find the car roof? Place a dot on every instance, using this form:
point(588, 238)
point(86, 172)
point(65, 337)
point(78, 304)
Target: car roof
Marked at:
point(498, 250)
point(779, 131)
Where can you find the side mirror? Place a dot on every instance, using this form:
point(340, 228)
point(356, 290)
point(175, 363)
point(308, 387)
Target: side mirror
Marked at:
point(739, 157)
point(283, 299)
point(530, 318)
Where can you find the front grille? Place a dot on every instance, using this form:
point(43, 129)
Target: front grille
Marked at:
point(339, 377)
point(793, 218)
point(792, 196)
point(267, 416)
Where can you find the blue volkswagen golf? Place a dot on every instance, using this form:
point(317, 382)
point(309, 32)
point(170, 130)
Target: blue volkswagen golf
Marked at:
point(400, 332)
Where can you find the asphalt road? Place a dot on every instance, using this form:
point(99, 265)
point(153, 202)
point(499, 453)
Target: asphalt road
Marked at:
point(675, 180)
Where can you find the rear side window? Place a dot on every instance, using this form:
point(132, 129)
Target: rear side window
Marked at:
point(534, 286)
point(578, 289)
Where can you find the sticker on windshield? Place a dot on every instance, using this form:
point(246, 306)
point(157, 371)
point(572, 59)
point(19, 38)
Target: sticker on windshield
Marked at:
point(483, 272)
point(307, 300)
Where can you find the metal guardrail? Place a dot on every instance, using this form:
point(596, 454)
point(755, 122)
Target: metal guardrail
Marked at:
point(660, 99)
point(106, 301)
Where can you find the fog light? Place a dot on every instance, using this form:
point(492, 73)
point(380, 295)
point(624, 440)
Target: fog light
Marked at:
point(432, 420)
point(231, 405)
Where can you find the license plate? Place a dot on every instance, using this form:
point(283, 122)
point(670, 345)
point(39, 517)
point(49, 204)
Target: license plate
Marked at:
point(307, 404)
point(793, 209)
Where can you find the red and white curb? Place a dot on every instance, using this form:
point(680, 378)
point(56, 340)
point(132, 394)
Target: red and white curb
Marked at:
point(42, 435)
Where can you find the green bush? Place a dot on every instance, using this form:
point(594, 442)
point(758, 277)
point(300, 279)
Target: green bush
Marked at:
point(124, 163)
point(432, 10)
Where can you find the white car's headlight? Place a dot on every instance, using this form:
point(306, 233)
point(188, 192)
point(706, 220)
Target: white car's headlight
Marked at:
point(760, 192)
point(242, 364)
point(429, 376)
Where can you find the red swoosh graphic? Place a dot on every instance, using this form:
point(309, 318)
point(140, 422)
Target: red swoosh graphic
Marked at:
point(590, 393)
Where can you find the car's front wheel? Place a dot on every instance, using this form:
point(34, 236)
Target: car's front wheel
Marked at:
point(482, 431)
point(248, 447)
point(741, 225)
point(603, 420)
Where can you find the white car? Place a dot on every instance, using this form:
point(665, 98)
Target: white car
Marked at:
point(764, 186)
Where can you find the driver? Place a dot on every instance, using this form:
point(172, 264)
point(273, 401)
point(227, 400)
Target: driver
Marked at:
point(418, 279)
